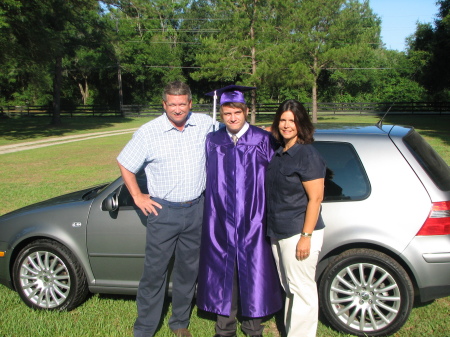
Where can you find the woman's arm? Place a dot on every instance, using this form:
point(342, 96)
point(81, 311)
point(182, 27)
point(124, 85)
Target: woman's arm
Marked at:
point(314, 191)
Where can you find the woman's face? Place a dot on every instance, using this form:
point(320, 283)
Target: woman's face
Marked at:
point(287, 127)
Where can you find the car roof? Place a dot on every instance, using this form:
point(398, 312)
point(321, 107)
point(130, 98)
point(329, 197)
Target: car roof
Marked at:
point(363, 129)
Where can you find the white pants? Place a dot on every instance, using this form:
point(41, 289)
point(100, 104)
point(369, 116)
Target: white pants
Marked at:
point(301, 311)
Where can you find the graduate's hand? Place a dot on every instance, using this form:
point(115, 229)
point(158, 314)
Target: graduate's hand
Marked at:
point(303, 248)
point(146, 204)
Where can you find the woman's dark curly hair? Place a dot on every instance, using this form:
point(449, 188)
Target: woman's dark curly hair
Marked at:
point(305, 128)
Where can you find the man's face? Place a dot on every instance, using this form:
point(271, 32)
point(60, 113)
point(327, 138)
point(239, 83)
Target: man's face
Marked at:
point(233, 118)
point(177, 108)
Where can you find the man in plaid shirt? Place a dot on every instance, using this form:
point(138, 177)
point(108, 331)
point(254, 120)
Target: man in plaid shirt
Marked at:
point(171, 149)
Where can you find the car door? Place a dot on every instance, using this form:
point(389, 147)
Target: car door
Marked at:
point(116, 240)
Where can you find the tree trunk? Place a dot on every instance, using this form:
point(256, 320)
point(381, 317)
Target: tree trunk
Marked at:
point(314, 92)
point(314, 102)
point(253, 51)
point(119, 79)
point(84, 90)
point(253, 112)
point(57, 82)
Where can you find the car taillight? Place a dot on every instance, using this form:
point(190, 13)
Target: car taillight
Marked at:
point(438, 221)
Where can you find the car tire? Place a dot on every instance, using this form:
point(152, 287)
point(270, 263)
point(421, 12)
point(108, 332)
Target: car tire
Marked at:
point(364, 292)
point(48, 276)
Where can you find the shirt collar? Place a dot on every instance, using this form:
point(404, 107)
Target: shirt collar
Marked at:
point(241, 131)
point(169, 126)
point(291, 151)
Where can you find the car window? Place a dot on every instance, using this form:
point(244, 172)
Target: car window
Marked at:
point(125, 198)
point(345, 178)
point(436, 168)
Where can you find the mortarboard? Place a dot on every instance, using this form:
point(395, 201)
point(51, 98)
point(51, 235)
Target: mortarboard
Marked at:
point(229, 94)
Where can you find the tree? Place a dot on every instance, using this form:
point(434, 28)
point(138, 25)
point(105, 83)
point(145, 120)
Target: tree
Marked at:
point(87, 58)
point(48, 30)
point(381, 76)
point(232, 54)
point(145, 39)
point(321, 35)
point(431, 44)
point(21, 81)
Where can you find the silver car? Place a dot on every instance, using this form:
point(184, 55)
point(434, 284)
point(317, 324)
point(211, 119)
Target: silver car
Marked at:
point(387, 241)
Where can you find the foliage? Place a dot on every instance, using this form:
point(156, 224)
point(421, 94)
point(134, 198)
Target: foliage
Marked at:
point(45, 31)
point(332, 35)
point(233, 53)
point(432, 44)
point(146, 46)
point(123, 52)
point(385, 76)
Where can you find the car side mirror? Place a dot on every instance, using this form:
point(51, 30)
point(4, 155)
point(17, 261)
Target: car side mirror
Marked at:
point(111, 203)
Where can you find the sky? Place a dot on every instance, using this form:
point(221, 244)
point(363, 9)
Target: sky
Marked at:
point(399, 18)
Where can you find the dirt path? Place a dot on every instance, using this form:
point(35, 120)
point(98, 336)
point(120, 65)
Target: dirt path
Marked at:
point(60, 140)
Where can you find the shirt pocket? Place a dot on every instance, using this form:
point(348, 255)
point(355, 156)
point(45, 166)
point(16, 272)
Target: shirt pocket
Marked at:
point(289, 174)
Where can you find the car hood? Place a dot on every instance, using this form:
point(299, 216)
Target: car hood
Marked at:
point(63, 199)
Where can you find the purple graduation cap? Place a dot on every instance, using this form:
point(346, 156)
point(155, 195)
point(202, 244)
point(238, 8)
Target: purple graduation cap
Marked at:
point(229, 94)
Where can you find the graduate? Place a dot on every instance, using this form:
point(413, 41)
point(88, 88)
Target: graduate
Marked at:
point(237, 269)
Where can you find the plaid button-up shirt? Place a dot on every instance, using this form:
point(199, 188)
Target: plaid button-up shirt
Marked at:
point(174, 160)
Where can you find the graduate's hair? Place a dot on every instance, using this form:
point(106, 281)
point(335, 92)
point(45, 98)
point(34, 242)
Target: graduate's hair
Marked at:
point(305, 129)
point(236, 105)
point(176, 88)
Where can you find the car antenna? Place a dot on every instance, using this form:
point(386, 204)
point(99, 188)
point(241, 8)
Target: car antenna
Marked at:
point(380, 122)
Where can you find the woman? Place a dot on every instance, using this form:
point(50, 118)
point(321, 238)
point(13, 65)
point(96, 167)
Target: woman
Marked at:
point(294, 186)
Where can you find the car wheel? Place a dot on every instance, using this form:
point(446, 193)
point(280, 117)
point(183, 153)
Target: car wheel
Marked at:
point(364, 292)
point(48, 276)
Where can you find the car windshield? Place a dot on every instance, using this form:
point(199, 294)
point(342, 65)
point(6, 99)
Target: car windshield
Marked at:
point(432, 163)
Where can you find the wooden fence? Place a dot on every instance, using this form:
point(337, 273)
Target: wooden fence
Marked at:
point(324, 108)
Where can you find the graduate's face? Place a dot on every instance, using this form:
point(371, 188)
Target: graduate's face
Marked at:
point(233, 118)
point(287, 127)
point(177, 108)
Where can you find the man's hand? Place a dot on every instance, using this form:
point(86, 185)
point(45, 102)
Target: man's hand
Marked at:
point(146, 204)
point(143, 201)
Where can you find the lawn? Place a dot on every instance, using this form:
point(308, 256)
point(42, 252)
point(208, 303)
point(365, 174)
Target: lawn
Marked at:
point(34, 175)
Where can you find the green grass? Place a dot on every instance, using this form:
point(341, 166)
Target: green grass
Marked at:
point(33, 175)
point(30, 176)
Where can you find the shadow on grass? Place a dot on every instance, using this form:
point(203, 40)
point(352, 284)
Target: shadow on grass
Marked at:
point(274, 330)
point(37, 127)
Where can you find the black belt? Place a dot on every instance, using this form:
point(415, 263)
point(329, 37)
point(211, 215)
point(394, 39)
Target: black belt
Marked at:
point(177, 204)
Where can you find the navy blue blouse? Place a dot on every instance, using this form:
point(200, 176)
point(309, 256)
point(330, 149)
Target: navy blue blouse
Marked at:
point(286, 196)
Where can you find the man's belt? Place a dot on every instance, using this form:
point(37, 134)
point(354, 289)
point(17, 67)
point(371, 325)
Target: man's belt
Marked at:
point(177, 204)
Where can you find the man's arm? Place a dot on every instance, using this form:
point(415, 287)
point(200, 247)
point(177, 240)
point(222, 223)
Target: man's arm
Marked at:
point(143, 201)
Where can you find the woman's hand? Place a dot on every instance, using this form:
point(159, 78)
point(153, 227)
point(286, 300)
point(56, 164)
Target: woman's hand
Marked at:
point(303, 248)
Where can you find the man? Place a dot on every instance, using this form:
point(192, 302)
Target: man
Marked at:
point(172, 150)
point(236, 261)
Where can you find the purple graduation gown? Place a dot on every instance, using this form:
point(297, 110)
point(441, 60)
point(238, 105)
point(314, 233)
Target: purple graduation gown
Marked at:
point(234, 227)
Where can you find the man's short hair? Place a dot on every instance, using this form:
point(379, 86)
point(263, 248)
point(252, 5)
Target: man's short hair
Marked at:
point(176, 88)
point(235, 105)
